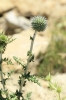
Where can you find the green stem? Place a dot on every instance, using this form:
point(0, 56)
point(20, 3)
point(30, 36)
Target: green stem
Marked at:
point(32, 42)
point(31, 48)
point(59, 96)
point(1, 72)
point(2, 79)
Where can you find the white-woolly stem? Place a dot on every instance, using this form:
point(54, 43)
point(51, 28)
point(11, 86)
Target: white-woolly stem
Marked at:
point(31, 48)
point(1, 71)
point(32, 42)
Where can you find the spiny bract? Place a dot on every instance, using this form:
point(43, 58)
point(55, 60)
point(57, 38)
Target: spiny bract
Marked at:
point(38, 23)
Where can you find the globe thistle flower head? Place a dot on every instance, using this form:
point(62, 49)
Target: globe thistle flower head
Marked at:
point(39, 23)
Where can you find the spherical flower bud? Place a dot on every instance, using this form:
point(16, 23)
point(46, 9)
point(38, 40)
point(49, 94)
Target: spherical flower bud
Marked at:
point(3, 39)
point(39, 23)
point(3, 42)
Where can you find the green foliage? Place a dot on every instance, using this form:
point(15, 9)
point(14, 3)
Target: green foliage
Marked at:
point(19, 61)
point(53, 60)
point(28, 96)
point(31, 78)
point(48, 77)
point(4, 40)
point(50, 61)
point(31, 56)
point(55, 86)
point(8, 61)
point(60, 26)
point(12, 97)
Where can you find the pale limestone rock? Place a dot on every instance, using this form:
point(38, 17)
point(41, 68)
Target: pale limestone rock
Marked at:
point(59, 11)
point(63, 2)
point(5, 5)
point(15, 21)
point(31, 7)
point(40, 7)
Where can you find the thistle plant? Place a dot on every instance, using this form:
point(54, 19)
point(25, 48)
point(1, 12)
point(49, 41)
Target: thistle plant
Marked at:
point(54, 86)
point(4, 40)
point(38, 23)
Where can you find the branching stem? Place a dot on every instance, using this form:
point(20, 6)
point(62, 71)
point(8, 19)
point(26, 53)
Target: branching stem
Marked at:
point(31, 48)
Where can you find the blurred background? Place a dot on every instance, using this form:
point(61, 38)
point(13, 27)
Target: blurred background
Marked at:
point(50, 45)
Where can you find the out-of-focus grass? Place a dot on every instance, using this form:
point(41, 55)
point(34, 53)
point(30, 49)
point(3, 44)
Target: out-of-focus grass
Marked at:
point(54, 59)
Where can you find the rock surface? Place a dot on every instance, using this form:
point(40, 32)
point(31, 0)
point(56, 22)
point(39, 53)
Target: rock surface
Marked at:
point(31, 8)
point(15, 22)
point(5, 5)
point(40, 7)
